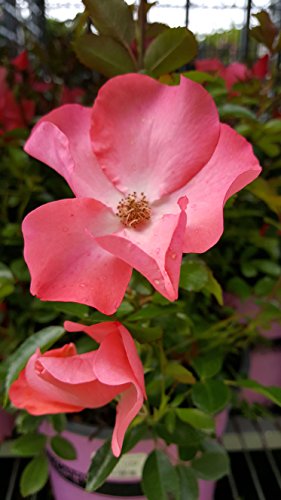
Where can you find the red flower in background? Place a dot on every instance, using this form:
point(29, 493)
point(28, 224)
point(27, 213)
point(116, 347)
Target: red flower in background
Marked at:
point(13, 113)
point(234, 72)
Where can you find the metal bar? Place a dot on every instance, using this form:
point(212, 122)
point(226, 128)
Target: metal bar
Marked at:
point(12, 482)
point(187, 5)
point(247, 30)
point(254, 476)
point(268, 453)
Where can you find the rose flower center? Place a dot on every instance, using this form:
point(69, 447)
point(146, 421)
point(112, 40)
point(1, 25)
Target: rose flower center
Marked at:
point(133, 210)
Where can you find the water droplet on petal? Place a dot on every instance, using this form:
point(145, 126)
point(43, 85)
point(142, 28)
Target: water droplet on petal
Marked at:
point(174, 256)
point(82, 285)
point(65, 229)
point(157, 282)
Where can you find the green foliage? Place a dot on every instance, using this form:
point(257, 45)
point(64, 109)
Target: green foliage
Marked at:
point(160, 480)
point(272, 393)
point(34, 476)
point(29, 445)
point(102, 465)
point(212, 464)
point(96, 52)
point(63, 448)
point(170, 50)
point(210, 396)
point(112, 18)
point(43, 339)
point(188, 483)
point(198, 419)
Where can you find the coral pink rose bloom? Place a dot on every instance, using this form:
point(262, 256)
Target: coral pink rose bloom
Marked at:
point(61, 380)
point(151, 167)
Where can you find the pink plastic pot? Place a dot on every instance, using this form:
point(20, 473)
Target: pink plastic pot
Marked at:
point(6, 425)
point(265, 368)
point(264, 362)
point(67, 477)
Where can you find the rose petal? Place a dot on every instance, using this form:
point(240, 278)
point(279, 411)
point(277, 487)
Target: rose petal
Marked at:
point(61, 140)
point(64, 259)
point(232, 166)
point(155, 250)
point(151, 137)
point(23, 396)
point(128, 407)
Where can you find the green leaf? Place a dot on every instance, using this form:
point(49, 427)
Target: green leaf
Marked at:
point(270, 392)
point(239, 287)
point(144, 334)
point(29, 445)
point(263, 190)
point(147, 312)
point(210, 396)
point(79, 310)
point(102, 465)
point(112, 18)
point(213, 463)
point(264, 286)
point(43, 339)
point(124, 309)
point(208, 365)
point(103, 54)
point(5, 272)
point(34, 476)
point(200, 76)
point(160, 480)
point(267, 267)
point(198, 419)
point(214, 288)
point(188, 483)
point(169, 51)
point(186, 453)
point(194, 275)
point(63, 448)
point(236, 111)
point(179, 373)
point(58, 421)
point(6, 281)
point(273, 126)
point(183, 434)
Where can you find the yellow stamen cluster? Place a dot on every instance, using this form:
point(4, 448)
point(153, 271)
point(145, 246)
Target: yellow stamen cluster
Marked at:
point(133, 210)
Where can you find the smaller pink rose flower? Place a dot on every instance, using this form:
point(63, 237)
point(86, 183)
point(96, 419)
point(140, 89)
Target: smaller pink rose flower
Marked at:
point(61, 381)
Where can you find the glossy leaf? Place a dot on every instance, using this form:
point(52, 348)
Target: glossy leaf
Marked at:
point(194, 275)
point(183, 434)
point(188, 484)
point(197, 418)
point(271, 392)
point(160, 480)
point(102, 465)
point(43, 339)
point(179, 373)
point(212, 464)
point(169, 51)
point(103, 54)
point(34, 476)
point(236, 111)
point(63, 448)
point(208, 365)
point(210, 396)
point(112, 18)
point(29, 445)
